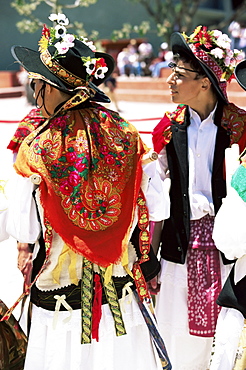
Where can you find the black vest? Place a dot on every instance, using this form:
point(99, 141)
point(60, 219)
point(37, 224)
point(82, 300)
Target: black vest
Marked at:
point(176, 230)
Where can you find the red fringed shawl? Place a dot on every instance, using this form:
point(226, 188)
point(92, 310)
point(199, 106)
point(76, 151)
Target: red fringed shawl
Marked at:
point(90, 164)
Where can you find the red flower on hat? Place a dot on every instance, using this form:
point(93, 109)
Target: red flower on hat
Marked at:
point(213, 47)
point(203, 38)
point(46, 32)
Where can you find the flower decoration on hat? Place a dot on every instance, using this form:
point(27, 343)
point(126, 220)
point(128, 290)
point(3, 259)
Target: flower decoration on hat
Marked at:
point(95, 66)
point(212, 46)
point(59, 38)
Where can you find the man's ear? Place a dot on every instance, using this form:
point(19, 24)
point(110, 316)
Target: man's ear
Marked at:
point(205, 83)
point(48, 88)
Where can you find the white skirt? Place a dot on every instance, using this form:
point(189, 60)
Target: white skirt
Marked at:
point(186, 352)
point(228, 331)
point(61, 348)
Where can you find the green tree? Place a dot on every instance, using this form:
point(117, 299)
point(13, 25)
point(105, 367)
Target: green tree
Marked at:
point(31, 23)
point(164, 16)
point(177, 15)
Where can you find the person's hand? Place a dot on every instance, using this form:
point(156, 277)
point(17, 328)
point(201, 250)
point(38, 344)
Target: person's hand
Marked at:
point(153, 286)
point(25, 262)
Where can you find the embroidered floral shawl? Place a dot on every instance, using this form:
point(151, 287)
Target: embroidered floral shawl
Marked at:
point(233, 120)
point(29, 123)
point(90, 164)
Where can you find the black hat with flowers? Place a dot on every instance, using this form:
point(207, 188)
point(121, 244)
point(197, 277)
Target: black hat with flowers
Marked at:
point(211, 49)
point(68, 62)
point(240, 73)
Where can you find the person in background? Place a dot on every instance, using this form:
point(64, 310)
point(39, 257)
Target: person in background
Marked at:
point(191, 143)
point(164, 58)
point(123, 61)
point(80, 186)
point(128, 60)
point(110, 85)
point(146, 55)
point(229, 235)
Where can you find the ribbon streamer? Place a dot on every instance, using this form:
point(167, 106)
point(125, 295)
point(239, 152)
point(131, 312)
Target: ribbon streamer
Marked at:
point(61, 300)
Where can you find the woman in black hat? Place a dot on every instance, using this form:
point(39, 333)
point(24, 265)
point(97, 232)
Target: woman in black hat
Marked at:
point(79, 185)
point(230, 237)
point(191, 142)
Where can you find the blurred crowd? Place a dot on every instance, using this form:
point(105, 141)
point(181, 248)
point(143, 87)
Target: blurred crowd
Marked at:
point(139, 60)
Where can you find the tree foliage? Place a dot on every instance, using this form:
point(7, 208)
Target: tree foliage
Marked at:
point(31, 23)
point(164, 16)
point(174, 15)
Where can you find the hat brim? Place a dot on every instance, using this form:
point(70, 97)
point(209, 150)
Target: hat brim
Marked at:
point(240, 73)
point(179, 44)
point(31, 62)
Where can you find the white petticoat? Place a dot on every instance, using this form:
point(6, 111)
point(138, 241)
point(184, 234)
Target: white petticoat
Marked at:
point(61, 348)
point(186, 352)
point(229, 327)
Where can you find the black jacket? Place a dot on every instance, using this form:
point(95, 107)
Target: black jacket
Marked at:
point(176, 230)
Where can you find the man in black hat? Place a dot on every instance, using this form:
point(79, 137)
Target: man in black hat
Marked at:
point(191, 143)
point(79, 186)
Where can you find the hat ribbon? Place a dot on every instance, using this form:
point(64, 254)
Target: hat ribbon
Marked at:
point(61, 72)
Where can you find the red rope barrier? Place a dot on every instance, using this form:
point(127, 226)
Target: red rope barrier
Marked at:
point(9, 121)
point(144, 119)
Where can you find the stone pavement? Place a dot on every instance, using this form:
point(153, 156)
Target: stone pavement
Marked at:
point(13, 110)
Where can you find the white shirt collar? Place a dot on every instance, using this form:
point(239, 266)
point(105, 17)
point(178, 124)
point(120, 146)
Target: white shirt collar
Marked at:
point(194, 116)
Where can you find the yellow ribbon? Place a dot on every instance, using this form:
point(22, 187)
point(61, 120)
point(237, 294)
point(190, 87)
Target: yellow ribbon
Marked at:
point(66, 253)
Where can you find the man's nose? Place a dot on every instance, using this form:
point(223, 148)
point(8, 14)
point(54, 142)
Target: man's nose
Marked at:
point(171, 78)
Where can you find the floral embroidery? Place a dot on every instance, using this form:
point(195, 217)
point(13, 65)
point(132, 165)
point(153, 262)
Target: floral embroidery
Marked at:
point(25, 127)
point(177, 116)
point(47, 148)
point(95, 209)
point(233, 120)
point(87, 164)
point(60, 123)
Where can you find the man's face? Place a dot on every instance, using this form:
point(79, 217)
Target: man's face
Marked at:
point(183, 85)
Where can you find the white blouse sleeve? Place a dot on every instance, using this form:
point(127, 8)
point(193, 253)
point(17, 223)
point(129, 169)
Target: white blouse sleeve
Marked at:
point(229, 232)
point(3, 209)
point(22, 221)
point(157, 194)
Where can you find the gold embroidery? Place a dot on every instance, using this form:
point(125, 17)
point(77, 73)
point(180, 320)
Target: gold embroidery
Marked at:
point(60, 71)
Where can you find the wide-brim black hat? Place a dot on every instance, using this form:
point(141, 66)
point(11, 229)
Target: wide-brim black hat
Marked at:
point(240, 73)
point(179, 44)
point(67, 72)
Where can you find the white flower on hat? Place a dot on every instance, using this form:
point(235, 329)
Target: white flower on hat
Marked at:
point(61, 47)
point(239, 54)
point(224, 41)
point(59, 18)
point(88, 43)
point(66, 43)
point(60, 31)
point(217, 52)
point(100, 72)
point(95, 66)
point(90, 65)
point(69, 38)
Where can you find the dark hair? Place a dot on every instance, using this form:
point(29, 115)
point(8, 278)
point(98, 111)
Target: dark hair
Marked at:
point(194, 65)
